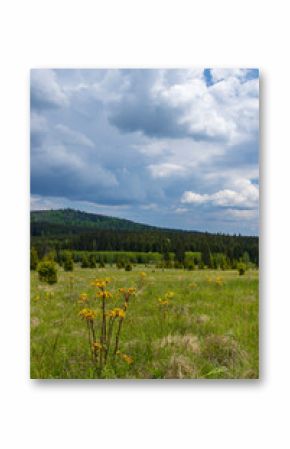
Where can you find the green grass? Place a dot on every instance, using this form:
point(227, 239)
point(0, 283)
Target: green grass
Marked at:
point(209, 331)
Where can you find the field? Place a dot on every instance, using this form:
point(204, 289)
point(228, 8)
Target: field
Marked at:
point(208, 328)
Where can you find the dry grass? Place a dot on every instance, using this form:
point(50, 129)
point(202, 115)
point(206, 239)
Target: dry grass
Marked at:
point(179, 343)
point(180, 367)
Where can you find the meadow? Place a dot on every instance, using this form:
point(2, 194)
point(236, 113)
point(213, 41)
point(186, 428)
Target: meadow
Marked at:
point(179, 324)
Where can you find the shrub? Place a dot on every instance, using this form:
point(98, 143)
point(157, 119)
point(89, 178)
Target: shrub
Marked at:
point(47, 271)
point(33, 259)
point(177, 264)
point(241, 267)
point(102, 264)
point(85, 261)
point(128, 267)
point(190, 266)
point(92, 261)
point(68, 263)
point(201, 265)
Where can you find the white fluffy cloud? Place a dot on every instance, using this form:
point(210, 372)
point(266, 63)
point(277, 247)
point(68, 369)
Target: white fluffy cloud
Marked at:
point(246, 195)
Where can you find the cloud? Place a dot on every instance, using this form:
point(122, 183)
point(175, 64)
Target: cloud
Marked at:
point(45, 91)
point(72, 137)
point(246, 195)
point(162, 104)
point(152, 144)
point(165, 170)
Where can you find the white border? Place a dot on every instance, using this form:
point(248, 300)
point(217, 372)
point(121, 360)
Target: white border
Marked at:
point(125, 33)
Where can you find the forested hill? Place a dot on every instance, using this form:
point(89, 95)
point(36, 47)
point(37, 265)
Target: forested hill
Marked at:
point(75, 230)
point(71, 220)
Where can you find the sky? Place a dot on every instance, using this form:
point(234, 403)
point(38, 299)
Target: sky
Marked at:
point(176, 148)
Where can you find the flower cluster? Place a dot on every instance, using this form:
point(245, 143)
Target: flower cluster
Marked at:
point(116, 313)
point(111, 322)
point(101, 283)
point(88, 314)
point(105, 294)
point(127, 291)
point(165, 300)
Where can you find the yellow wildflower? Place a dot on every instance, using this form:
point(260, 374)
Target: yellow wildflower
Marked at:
point(127, 358)
point(97, 346)
point(83, 297)
point(127, 291)
point(169, 295)
point(101, 283)
point(163, 302)
point(88, 314)
point(104, 294)
point(219, 281)
point(119, 312)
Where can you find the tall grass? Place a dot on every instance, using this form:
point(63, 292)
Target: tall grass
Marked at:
point(207, 327)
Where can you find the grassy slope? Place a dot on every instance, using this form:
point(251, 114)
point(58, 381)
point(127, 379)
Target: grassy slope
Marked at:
point(215, 328)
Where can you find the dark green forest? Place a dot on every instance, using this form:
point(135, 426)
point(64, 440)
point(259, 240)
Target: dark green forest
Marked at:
point(76, 231)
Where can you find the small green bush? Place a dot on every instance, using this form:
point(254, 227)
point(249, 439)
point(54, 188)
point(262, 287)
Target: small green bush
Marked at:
point(190, 266)
point(47, 271)
point(92, 261)
point(68, 263)
point(85, 261)
point(128, 267)
point(241, 267)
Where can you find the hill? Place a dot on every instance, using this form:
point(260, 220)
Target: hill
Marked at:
point(82, 231)
point(71, 218)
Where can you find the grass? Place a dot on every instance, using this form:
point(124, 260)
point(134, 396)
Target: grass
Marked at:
point(208, 330)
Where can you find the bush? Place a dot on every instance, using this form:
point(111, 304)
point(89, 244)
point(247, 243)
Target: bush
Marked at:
point(190, 266)
point(120, 264)
point(92, 261)
point(102, 264)
point(201, 265)
point(128, 267)
point(241, 267)
point(85, 261)
point(33, 259)
point(68, 263)
point(47, 271)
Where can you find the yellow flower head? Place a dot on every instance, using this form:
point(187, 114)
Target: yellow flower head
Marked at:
point(219, 281)
point(83, 297)
point(169, 295)
point(101, 283)
point(97, 346)
point(128, 359)
point(104, 294)
point(163, 302)
point(88, 314)
point(143, 274)
point(127, 291)
point(119, 312)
